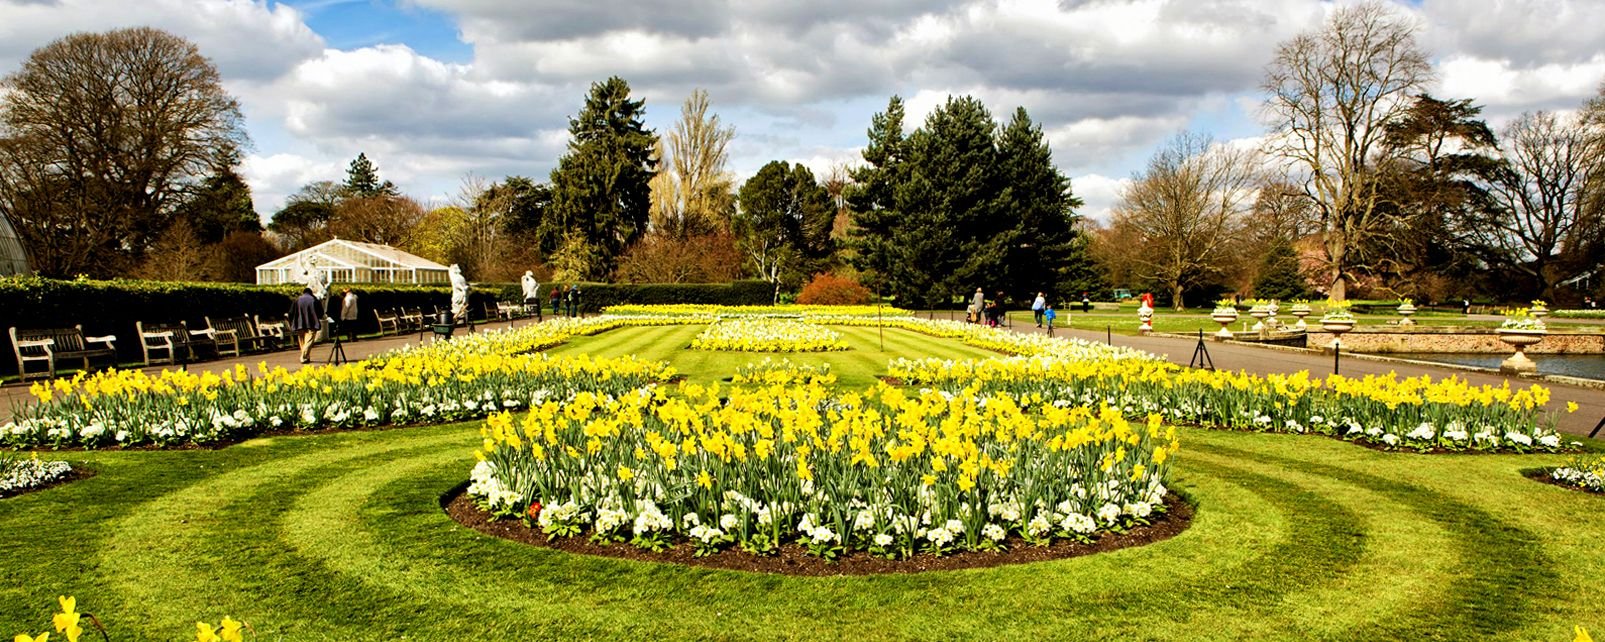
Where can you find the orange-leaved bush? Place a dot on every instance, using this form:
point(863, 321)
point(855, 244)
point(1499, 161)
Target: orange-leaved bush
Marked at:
point(829, 289)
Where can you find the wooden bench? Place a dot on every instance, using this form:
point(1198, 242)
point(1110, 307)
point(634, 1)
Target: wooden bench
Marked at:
point(412, 320)
point(236, 334)
point(173, 338)
point(389, 322)
point(275, 332)
point(49, 345)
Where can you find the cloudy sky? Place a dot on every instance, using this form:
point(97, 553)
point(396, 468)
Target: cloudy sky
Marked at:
point(435, 90)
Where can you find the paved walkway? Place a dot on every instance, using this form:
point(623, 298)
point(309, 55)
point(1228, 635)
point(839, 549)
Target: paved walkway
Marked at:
point(1226, 356)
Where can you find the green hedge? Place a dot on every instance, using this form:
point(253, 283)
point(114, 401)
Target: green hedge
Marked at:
point(595, 296)
point(112, 307)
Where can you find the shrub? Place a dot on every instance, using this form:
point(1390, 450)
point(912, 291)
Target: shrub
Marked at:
point(829, 289)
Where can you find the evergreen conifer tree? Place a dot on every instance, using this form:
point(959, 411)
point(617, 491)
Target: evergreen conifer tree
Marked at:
point(601, 187)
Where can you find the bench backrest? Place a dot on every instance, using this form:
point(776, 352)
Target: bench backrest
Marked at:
point(243, 327)
point(66, 339)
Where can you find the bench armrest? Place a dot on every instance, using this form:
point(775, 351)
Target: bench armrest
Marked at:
point(36, 343)
point(208, 333)
point(108, 339)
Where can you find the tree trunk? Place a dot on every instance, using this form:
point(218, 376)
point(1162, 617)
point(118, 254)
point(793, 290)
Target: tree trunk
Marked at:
point(1340, 285)
point(1175, 297)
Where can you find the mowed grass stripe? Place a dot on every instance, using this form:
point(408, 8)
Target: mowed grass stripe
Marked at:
point(1373, 589)
point(1493, 557)
point(208, 540)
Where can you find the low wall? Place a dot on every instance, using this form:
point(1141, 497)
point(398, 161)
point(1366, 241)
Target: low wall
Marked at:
point(1454, 340)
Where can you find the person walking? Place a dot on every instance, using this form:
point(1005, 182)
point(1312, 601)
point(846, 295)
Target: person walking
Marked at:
point(557, 299)
point(979, 303)
point(305, 322)
point(1465, 306)
point(1048, 314)
point(1086, 303)
point(1037, 308)
point(348, 314)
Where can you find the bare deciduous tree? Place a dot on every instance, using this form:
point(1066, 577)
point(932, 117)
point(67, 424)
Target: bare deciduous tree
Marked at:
point(1184, 207)
point(383, 219)
point(695, 195)
point(1331, 93)
point(103, 136)
point(1548, 222)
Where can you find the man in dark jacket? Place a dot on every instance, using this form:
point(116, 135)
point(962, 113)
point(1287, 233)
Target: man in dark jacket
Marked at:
point(305, 321)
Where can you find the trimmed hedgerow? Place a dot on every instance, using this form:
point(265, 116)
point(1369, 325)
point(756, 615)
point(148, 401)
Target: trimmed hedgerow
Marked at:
point(596, 296)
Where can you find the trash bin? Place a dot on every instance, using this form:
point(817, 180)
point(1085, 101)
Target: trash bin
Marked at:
point(443, 318)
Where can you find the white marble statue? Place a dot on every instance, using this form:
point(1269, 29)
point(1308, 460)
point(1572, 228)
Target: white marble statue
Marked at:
point(531, 288)
point(459, 293)
point(309, 275)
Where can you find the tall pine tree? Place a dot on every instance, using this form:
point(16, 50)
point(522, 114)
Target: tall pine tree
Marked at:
point(601, 195)
point(944, 243)
point(1039, 247)
point(871, 197)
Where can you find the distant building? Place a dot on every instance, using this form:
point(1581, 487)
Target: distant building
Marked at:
point(353, 262)
point(13, 259)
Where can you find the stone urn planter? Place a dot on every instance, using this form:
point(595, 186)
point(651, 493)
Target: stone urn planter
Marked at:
point(1520, 339)
point(1145, 318)
point(1270, 319)
point(1337, 326)
point(1225, 317)
point(1260, 313)
point(1300, 310)
point(1539, 312)
point(1406, 310)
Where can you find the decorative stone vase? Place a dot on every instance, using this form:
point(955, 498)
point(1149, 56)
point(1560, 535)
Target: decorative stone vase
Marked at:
point(1270, 320)
point(1225, 317)
point(1337, 327)
point(1519, 364)
point(1301, 310)
point(1259, 312)
point(1145, 317)
point(1539, 312)
point(1405, 311)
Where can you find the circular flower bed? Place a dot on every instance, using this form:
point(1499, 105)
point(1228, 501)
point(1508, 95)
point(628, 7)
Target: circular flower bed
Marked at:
point(19, 474)
point(881, 472)
point(768, 335)
point(1582, 472)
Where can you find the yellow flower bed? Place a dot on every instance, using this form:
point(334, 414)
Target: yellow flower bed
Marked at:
point(710, 310)
point(768, 335)
point(883, 471)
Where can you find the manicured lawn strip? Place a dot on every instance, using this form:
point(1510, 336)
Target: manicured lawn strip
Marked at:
point(340, 536)
point(855, 368)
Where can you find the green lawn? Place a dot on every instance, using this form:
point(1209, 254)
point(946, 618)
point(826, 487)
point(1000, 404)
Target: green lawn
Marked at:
point(857, 367)
point(341, 537)
point(1191, 321)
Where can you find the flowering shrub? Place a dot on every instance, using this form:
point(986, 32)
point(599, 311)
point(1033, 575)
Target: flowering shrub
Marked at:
point(1521, 319)
point(882, 471)
point(1587, 473)
point(1338, 311)
point(768, 335)
point(17, 474)
point(770, 372)
point(829, 289)
point(1394, 413)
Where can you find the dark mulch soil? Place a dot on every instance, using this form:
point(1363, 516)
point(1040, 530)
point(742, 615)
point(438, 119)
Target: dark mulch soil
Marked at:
point(1542, 475)
point(77, 473)
point(794, 560)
